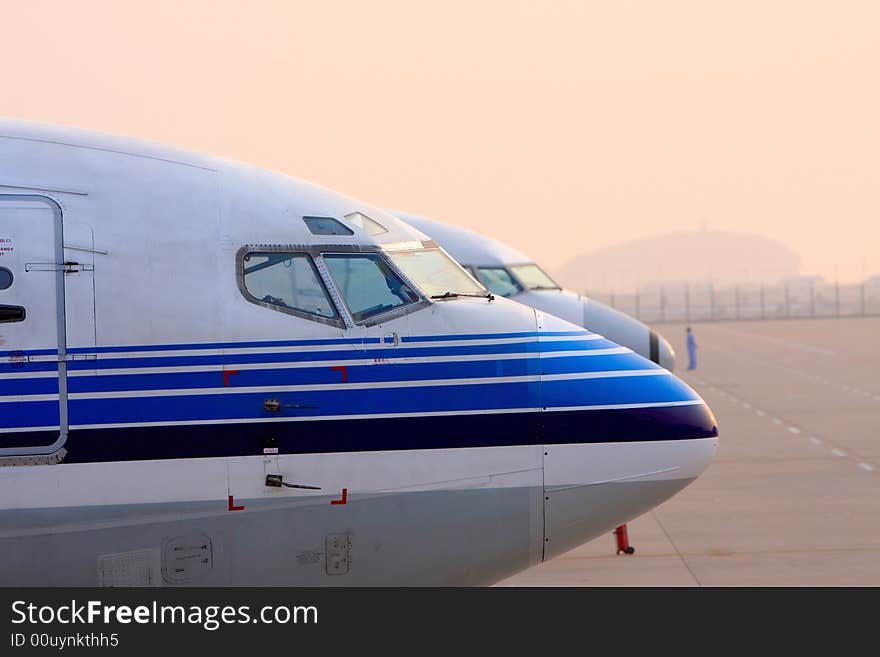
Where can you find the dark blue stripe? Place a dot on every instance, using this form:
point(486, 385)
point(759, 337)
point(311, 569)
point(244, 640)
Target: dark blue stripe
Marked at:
point(443, 432)
point(28, 439)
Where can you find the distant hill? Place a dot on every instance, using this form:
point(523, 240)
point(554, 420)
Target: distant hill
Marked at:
point(699, 256)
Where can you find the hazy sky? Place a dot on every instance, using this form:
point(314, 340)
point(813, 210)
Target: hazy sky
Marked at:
point(556, 126)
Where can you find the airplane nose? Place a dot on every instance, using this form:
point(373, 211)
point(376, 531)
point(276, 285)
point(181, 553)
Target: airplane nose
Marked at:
point(621, 460)
point(662, 352)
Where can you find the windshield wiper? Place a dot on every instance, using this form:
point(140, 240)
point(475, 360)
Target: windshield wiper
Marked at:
point(453, 295)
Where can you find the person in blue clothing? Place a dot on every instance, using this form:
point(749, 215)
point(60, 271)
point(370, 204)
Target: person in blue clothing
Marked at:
point(692, 350)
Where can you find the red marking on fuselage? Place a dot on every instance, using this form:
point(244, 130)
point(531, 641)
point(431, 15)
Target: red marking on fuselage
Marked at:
point(226, 375)
point(342, 500)
point(343, 369)
point(232, 506)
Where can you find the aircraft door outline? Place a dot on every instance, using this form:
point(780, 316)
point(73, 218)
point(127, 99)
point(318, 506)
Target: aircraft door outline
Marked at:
point(36, 273)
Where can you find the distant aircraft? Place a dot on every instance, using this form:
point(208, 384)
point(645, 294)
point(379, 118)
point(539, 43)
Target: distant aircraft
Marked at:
point(510, 273)
point(212, 374)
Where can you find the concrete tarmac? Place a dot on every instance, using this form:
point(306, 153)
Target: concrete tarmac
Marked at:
point(793, 495)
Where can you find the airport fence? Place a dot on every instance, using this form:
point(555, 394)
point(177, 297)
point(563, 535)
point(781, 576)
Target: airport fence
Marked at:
point(706, 302)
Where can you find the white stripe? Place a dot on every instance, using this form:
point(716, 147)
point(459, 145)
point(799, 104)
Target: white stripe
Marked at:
point(26, 429)
point(866, 466)
point(815, 440)
point(352, 346)
point(838, 452)
point(794, 430)
point(30, 375)
point(28, 398)
point(371, 385)
point(688, 402)
point(371, 416)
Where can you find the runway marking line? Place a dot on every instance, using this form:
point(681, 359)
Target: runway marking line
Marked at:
point(867, 467)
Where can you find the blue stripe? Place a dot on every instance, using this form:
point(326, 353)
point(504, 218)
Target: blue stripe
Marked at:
point(306, 343)
point(290, 343)
point(28, 414)
point(368, 373)
point(221, 345)
point(493, 396)
point(41, 386)
point(29, 352)
point(301, 357)
point(491, 336)
point(371, 373)
point(18, 368)
point(602, 363)
point(319, 402)
point(619, 390)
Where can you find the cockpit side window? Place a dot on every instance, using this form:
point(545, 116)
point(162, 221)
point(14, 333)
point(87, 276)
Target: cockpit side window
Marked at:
point(499, 280)
point(288, 282)
point(367, 284)
point(533, 277)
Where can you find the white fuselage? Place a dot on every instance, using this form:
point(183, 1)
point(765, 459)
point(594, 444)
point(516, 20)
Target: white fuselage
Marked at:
point(149, 386)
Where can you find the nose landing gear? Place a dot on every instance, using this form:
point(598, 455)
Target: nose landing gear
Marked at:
point(622, 537)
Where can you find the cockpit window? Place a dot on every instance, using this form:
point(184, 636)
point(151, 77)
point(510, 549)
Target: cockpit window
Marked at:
point(533, 277)
point(436, 273)
point(362, 221)
point(287, 281)
point(327, 226)
point(368, 284)
point(499, 280)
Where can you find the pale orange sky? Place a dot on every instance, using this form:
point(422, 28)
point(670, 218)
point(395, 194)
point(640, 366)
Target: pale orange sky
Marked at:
point(558, 127)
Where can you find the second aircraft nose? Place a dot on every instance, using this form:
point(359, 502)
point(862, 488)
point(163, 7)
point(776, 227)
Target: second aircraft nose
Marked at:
point(662, 352)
